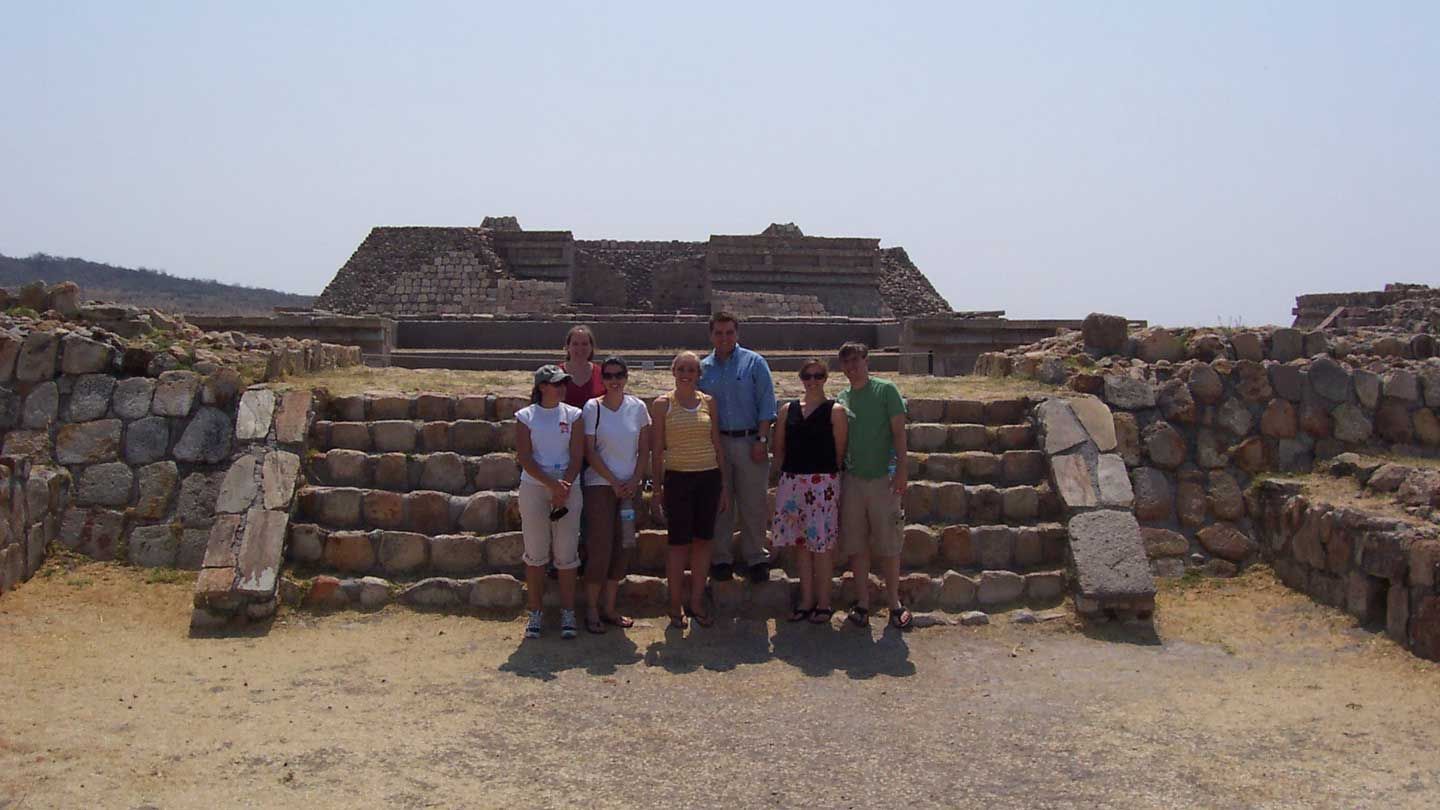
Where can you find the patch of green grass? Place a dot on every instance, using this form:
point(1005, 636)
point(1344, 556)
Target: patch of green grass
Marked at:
point(166, 576)
point(79, 582)
point(18, 311)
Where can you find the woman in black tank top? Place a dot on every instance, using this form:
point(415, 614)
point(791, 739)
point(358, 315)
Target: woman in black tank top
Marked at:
point(810, 436)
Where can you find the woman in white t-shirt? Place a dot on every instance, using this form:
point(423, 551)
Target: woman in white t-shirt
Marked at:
point(617, 436)
point(550, 446)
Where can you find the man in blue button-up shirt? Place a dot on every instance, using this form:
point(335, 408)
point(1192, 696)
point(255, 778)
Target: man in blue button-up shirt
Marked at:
point(739, 380)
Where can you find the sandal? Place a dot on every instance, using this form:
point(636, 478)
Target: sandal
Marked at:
point(859, 616)
point(594, 626)
point(800, 614)
point(677, 621)
point(702, 619)
point(821, 615)
point(901, 618)
point(618, 621)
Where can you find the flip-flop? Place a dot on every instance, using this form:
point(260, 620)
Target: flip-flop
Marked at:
point(702, 619)
point(859, 616)
point(821, 615)
point(618, 621)
point(677, 621)
point(901, 618)
point(800, 614)
point(596, 626)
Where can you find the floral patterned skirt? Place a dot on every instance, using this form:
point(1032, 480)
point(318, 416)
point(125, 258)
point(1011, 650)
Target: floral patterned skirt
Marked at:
point(807, 511)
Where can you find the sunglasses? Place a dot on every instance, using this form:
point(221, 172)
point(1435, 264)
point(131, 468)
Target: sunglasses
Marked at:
point(614, 375)
point(818, 375)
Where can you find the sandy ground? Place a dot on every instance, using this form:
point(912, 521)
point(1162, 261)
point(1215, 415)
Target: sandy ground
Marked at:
point(1244, 694)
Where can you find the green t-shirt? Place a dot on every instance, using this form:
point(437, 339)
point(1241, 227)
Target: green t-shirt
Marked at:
point(868, 448)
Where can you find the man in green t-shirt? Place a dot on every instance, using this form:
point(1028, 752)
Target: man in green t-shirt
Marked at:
point(871, 520)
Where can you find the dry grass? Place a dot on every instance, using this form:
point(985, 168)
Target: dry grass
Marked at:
point(1346, 492)
point(361, 380)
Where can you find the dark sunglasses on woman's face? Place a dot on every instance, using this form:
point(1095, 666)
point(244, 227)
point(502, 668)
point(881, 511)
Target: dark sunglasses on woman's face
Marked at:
point(613, 375)
point(819, 375)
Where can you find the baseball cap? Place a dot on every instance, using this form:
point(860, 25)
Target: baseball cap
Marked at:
point(550, 374)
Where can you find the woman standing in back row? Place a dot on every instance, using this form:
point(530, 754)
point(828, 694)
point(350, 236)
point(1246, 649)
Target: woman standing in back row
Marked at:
point(810, 437)
point(584, 383)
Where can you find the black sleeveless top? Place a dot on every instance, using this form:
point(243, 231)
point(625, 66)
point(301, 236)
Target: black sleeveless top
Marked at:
point(809, 442)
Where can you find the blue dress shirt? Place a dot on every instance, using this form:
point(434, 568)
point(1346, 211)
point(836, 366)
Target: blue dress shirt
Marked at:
point(743, 391)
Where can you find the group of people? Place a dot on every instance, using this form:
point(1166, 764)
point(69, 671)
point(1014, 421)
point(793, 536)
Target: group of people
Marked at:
point(588, 450)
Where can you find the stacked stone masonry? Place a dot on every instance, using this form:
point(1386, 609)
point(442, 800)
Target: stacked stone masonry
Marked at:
point(1383, 571)
point(413, 271)
point(413, 499)
point(32, 501)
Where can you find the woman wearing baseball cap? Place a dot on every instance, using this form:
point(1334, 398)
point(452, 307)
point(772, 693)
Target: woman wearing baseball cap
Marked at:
point(550, 444)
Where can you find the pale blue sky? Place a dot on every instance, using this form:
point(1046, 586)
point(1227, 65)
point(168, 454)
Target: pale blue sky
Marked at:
point(1189, 165)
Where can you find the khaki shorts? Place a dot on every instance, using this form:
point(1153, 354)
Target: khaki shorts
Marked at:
point(870, 517)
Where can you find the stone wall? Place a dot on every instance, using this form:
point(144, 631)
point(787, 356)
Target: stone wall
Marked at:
point(843, 273)
point(633, 263)
point(748, 304)
point(1414, 307)
point(681, 284)
point(906, 290)
point(146, 453)
point(389, 271)
point(1382, 570)
point(32, 500)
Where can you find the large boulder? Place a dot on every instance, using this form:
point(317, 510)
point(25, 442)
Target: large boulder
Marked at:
point(1104, 334)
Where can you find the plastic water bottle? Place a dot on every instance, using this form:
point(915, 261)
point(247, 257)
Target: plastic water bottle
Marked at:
point(892, 465)
point(627, 523)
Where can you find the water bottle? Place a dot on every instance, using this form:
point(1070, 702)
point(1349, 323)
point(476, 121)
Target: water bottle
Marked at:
point(892, 465)
point(627, 523)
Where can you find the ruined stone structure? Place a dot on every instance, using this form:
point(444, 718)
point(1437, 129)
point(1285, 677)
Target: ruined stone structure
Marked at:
point(1415, 307)
point(500, 269)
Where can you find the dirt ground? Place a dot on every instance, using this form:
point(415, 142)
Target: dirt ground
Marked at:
point(1244, 694)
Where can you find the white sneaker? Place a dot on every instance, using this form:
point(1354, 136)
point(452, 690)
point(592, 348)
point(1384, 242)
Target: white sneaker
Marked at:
point(567, 624)
point(532, 627)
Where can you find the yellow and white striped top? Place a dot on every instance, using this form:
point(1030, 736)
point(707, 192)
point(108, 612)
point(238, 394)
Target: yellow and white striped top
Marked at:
point(687, 437)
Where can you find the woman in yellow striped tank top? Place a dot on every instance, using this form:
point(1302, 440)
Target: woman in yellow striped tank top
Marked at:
point(689, 484)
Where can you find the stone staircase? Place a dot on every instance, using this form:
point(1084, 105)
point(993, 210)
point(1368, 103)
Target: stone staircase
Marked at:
point(412, 499)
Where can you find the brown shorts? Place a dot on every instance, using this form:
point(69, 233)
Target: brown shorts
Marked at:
point(870, 517)
point(605, 553)
point(692, 500)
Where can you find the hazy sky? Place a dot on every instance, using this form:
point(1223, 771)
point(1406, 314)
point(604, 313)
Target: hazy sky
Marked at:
point(1190, 165)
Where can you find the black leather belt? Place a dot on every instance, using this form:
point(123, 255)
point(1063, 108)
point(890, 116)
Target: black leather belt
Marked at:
point(750, 432)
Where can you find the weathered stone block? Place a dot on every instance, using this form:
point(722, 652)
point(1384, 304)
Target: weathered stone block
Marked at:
point(154, 546)
point(81, 355)
point(279, 473)
point(1073, 481)
point(1225, 541)
point(1163, 543)
point(206, 439)
point(444, 472)
point(1114, 482)
point(220, 387)
point(428, 512)
point(175, 393)
point(920, 546)
point(93, 532)
point(257, 412)
point(1022, 503)
point(956, 547)
point(384, 509)
point(292, 416)
point(1104, 334)
point(36, 359)
point(457, 554)
point(147, 440)
point(1350, 423)
point(156, 486)
point(239, 489)
point(42, 406)
point(923, 438)
point(473, 437)
point(1044, 586)
point(198, 494)
point(505, 550)
point(105, 485)
point(499, 592)
point(474, 406)
point(389, 407)
point(403, 552)
point(1109, 557)
point(392, 436)
point(349, 468)
point(90, 398)
point(1279, 420)
point(999, 587)
point(497, 471)
point(350, 551)
point(350, 435)
point(1330, 380)
point(1062, 430)
point(132, 397)
point(994, 545)
point(434, 436)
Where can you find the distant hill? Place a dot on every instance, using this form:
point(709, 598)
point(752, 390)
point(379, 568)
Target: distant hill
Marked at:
point(147, 288)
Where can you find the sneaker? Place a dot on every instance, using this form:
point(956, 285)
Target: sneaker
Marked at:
point(532, 627)
point(567, 624)
point(722, 572)
point(760, 572)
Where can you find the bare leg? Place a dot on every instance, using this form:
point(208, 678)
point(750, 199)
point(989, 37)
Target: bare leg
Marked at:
point(821, 568)
point(534, 586)
point(699, 573)
point(612, 592)
point(567, 588)
point(804, 562)
point(860, 565)
point(890, 569)
point(675, 562)
point(592, 600)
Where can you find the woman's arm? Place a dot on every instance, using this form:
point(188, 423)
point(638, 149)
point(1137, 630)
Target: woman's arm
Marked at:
point(840, 429)
point(658, 408)
point(525, 454)
point(719, 452)
point(641, 456)
point(577, 451)
point(778, 450)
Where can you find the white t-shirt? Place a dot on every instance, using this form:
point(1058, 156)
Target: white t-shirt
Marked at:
point(618, 440)
point(549, 437)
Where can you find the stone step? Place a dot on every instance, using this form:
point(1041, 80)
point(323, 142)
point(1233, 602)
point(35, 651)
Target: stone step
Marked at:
point(435, 512)
point(933, 437)
point(476, 436)
point(463, 474)
point(490, 407)
point(402, 553)
point(642, 595)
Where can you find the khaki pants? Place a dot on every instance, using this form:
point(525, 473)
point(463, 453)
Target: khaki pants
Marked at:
point(748, 483)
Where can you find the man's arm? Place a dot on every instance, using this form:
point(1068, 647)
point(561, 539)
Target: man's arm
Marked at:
point(765, 405)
